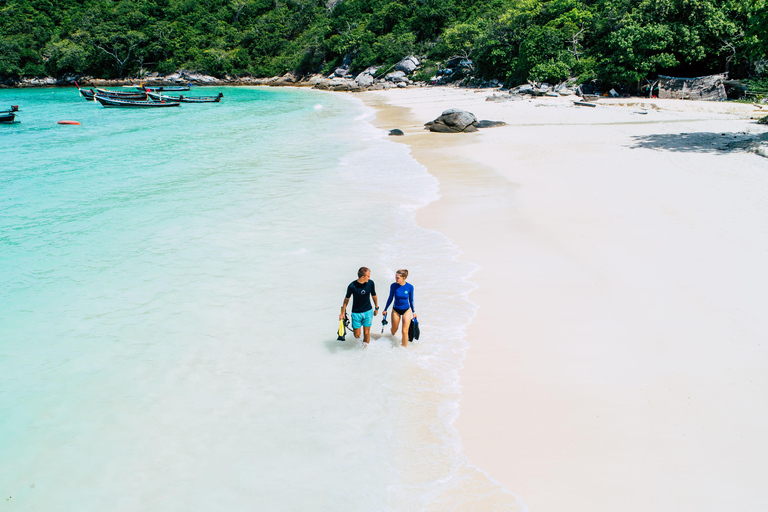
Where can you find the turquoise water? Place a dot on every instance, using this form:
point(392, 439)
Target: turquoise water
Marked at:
point(171, 283)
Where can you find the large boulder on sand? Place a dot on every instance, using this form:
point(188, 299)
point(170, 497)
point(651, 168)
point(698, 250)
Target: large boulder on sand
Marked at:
point(453, 120)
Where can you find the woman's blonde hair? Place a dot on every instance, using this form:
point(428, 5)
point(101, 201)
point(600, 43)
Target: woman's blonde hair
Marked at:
point(402, 272)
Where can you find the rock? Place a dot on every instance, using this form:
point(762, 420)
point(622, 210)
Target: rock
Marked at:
point(396, 131)
point(524, 89)
point(337, 84)
point(453, 120)
point(38, 82)
point(200, 78)
point(408, 65)
point(440, 128)
point(763, 120)
point(287, 79)
point(315, 79)
point(402, 85)
point(457, 118)
point(341, 72)
point(395, 76)
point(364, 79)
point(489, 124)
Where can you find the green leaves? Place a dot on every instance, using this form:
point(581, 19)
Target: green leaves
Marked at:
point(515, 40)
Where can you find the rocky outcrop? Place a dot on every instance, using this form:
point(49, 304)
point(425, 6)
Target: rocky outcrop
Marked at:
point(455, 120)
point(543, 89)
point(396, 76)
point(408, 65)
point(366, 78)
point(396, 131)
point(336, 84)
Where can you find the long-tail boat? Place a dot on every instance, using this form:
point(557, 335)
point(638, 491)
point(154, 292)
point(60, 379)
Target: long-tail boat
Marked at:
point(122, 94)
point(163, 88)
point(89, 94)
point(186, 99)
point(120, 102)
point(9, 116)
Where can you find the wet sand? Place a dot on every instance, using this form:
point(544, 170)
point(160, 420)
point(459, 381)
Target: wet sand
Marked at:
point(618, 357)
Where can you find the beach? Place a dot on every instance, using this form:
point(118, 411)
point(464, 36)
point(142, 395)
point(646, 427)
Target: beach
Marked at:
point(618, 356)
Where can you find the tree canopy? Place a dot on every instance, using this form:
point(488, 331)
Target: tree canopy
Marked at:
point(617, 41)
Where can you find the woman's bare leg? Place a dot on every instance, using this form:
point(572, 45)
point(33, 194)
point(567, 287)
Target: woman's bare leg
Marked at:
point(395, 322)
point(406, 324)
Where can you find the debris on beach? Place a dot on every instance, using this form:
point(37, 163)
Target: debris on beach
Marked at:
point(456, 120)
point(707, 88)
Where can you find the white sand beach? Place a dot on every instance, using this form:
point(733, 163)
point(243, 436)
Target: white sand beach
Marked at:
point(618, 360)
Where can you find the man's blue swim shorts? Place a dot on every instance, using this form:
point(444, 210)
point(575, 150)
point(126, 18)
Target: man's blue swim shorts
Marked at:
point(362, 319)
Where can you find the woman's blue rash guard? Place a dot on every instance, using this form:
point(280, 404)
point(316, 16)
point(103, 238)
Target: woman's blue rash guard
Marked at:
point(403, 295)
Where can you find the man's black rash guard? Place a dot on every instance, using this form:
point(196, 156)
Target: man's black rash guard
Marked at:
point(361, 294)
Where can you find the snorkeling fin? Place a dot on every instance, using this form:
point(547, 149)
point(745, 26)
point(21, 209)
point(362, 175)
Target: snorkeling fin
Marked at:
point(413, 330)
point(343, 328)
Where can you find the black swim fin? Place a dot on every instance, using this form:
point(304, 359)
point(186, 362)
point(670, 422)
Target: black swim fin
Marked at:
point(413, 330)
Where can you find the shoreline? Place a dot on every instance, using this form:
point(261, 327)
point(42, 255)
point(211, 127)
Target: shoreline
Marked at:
point(595, 361)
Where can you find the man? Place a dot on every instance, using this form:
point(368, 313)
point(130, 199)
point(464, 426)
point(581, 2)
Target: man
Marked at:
point(361, 292)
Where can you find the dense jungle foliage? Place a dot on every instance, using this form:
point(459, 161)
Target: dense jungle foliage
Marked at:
point(617, 41)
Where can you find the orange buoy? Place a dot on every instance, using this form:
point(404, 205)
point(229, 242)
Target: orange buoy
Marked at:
point(69, 122)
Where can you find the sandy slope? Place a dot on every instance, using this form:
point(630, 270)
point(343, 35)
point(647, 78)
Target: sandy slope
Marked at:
point(619, 357)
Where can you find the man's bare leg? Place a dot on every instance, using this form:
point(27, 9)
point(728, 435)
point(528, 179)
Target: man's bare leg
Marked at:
point(367, 332)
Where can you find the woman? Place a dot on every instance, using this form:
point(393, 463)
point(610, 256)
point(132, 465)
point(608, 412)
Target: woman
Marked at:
point(403, 308)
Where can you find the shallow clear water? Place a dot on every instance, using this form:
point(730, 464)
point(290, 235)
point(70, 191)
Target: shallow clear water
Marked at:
point(171, 285)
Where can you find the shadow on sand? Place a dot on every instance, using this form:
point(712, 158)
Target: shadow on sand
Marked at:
point(702, 142)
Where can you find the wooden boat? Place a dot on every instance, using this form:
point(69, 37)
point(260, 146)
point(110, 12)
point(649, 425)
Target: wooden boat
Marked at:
point(186, 99)
point(120, 102)
point(89, 94)
point(163, 88)
point(121, 94)
point(9, 116)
